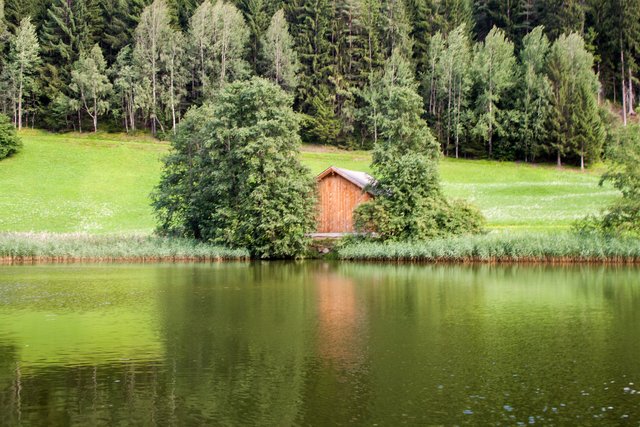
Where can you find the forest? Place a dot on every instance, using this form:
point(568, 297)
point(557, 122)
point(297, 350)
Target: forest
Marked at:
point(528, 80)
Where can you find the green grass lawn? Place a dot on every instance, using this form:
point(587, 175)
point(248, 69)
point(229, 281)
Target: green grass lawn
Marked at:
point(101, 183)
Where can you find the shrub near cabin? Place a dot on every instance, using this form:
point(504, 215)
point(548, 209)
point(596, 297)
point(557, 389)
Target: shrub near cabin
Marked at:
point(340, 192)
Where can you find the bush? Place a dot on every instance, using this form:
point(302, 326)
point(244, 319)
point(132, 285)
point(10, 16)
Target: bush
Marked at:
point(623, 216)
point(10, 144)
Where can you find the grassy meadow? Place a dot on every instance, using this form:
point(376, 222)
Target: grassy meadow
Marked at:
point(100, 184)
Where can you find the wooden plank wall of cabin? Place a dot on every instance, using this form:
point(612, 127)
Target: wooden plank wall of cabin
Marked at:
point(338, 198)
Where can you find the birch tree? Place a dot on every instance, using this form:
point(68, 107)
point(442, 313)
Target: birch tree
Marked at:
point(24, 59)
point(448, 81)
point(90, 84)
point(151, 37)
point(219, 37)
point(494, 75)
point(125, 80)
point(281, 59)
point(174, 78)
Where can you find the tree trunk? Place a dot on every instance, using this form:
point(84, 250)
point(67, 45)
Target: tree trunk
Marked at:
point(632, 112)
point(624, 89)
point(95, 116)
point(20, 102)
point(559, 159)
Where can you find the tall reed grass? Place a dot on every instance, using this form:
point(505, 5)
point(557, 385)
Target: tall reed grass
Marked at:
point(501, 247)
point(21, 247)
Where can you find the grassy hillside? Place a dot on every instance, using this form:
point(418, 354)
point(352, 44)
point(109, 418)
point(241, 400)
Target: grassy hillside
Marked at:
point(100, 184)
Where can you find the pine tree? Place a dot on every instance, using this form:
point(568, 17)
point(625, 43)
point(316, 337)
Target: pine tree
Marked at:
point(310, 22)
point(16, 10)
point(120, 19)
point(534, 94)
point(576, 123)
point(561, 16)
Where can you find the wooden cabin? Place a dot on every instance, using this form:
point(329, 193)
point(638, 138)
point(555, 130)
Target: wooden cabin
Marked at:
point(340, 191)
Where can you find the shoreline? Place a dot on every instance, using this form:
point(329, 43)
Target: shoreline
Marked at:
point(40, 260)
point(488, 249)
point(469, 261)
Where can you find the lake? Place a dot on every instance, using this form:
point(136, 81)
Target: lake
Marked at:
point(318, 343)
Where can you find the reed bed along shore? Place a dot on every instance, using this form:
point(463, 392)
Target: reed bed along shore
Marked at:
point(553, 248)
point(16, 248)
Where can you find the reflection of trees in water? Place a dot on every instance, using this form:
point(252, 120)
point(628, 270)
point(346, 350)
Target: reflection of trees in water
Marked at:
point(317, 343)
point(239, 339)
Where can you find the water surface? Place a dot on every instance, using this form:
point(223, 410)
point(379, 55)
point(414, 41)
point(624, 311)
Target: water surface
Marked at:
point(318, 343)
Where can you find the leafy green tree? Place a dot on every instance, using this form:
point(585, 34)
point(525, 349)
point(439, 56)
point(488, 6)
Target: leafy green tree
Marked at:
point(494, 75)
point(219, 37)
point(280, 57)
point(409, 203)
point(125, 79)
point(397, 28)
point(534, 94)
point(10, 144)
point(448, 81)
point(576, 125)
point(623, 216)
point(24, 57)
point(234, 177)
point(174, 79)
point(90, 84)
point(152, 37)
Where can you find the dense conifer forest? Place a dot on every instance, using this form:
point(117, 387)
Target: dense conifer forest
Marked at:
point(530, 80)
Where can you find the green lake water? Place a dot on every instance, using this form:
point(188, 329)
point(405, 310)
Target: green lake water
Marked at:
point(319, 344)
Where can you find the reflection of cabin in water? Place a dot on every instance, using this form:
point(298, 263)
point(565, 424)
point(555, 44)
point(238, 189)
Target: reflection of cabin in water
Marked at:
point(340, 191)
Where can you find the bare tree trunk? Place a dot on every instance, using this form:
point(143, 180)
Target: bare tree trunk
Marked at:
point(20, 102)
point(582, 156)
point(559, 160)
point(624, 89)
point(632, 112)
point(173, 103)
point(95, 116)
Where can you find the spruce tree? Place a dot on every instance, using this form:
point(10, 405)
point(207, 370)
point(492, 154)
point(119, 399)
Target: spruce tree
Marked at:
point(575, 121)
point(120, 19)
point(534, 94)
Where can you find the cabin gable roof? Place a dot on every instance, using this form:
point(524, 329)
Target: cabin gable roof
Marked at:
point(360, 179)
